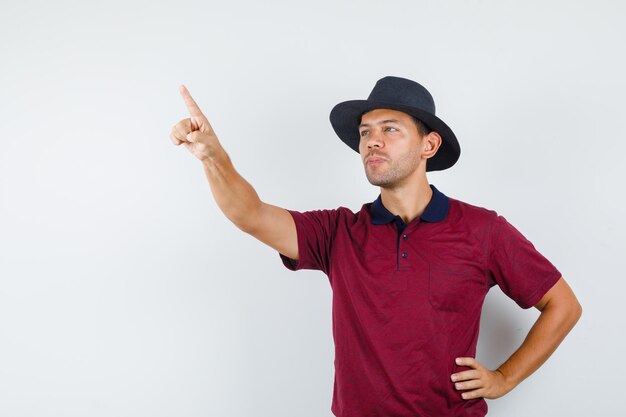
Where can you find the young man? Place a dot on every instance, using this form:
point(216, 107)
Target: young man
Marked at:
point(409, 272)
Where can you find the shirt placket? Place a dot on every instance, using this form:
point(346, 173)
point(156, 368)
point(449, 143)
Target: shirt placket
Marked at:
point(402, 247)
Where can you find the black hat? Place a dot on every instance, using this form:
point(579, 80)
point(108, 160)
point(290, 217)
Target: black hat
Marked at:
point(407, 96)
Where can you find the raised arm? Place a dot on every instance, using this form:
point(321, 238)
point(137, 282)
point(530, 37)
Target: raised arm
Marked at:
point(236, 198)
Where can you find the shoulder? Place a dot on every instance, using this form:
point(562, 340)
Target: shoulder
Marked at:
point(481, 222)
point(344, 216)
point(466, 212)
point(329, 217)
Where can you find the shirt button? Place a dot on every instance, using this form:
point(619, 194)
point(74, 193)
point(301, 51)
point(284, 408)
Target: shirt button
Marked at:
point(405, 237)
point(404, 254)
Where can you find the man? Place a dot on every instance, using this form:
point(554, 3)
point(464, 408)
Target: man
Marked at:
point(409, 272)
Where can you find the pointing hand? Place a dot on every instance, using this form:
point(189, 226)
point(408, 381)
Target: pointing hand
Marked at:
point(195, 132)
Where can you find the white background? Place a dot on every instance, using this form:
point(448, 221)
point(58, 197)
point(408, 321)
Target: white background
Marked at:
point(124, 291)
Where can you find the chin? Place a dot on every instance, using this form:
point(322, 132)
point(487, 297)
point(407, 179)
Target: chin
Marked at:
point(378, 182)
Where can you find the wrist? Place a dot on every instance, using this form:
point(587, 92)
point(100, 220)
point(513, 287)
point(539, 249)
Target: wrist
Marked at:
point(507, 381)
point(215, 158)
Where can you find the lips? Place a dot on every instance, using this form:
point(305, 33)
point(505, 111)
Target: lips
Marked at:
point(374, 159)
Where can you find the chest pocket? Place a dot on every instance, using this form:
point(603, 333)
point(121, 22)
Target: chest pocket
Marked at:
point(455, 289)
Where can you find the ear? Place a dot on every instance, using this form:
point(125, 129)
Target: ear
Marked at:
point(430, 144)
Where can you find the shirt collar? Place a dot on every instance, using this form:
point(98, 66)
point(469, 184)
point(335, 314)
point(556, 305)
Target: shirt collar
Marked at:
point(435, 211)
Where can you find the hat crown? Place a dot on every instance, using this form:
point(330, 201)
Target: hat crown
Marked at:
point(397, 90)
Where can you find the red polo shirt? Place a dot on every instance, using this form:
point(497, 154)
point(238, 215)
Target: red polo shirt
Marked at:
point(407, 298)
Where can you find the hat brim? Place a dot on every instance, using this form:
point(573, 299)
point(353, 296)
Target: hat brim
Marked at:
point(345, 118)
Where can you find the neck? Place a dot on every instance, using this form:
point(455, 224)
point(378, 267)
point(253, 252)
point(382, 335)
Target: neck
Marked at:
point(408, 201)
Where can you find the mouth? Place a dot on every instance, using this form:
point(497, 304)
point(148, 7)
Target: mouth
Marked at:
point(374, 160)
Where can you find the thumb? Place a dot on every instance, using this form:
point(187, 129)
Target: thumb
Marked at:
point(197, 136)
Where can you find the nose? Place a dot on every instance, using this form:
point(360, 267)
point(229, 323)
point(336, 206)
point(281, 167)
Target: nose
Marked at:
point(373, 139)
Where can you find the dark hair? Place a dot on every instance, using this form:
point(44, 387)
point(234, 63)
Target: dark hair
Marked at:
point(422, 129)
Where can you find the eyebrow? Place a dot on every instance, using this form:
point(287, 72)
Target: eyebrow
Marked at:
point(381, 123)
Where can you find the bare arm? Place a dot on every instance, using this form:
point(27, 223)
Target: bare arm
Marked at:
point(560, 311)
point(236, 198)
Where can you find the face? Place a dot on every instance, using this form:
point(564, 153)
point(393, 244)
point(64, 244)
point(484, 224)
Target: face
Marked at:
point(391, 148)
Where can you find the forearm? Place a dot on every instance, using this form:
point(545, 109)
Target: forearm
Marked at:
point(233, 194)
point(544, 337)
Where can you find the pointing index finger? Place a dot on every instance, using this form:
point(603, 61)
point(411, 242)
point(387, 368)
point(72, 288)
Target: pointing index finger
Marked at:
point(192, 106)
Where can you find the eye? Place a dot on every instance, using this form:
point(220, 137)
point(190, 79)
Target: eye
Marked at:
point(364, 132)
point(391, 128)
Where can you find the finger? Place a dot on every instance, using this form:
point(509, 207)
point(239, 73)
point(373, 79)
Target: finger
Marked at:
point(191, 104)
point(196, 137)
point(177, 136)
point(471, 362)
point(175, 140)
point(473, 384)
point(470, 395)
point(466, 375)
point(183, 127)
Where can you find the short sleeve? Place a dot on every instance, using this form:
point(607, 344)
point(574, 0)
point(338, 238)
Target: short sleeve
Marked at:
point(316, 230)
point(514, 264)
